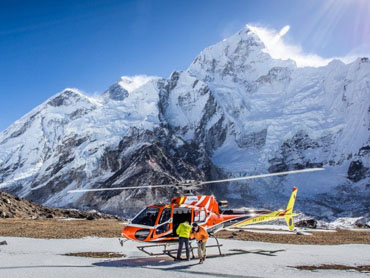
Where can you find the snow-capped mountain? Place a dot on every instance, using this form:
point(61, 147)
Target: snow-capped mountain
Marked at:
point(235, 111)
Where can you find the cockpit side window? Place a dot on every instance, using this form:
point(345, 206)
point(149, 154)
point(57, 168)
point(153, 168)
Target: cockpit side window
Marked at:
point(147, 217)
point(162, 225)
point(166, 214)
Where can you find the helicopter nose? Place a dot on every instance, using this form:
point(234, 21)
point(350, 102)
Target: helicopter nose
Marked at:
point(125, 233)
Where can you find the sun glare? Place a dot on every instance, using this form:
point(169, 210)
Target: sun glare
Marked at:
point(284, 30)
point(277, 48)
point(320, 31)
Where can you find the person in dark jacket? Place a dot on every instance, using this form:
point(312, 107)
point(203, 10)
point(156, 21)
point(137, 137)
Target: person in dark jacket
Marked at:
point(183, 231)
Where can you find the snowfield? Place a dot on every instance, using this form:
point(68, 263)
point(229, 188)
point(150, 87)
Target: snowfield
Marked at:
point(25, 257)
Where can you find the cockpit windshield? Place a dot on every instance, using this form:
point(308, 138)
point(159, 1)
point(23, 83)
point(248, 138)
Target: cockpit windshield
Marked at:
point(147, 217)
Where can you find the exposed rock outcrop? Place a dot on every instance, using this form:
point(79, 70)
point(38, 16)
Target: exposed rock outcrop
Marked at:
point(12, 206)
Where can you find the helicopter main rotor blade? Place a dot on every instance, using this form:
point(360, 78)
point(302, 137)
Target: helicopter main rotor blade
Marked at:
point(118, 188)
point(264, 175)
point(193, 183)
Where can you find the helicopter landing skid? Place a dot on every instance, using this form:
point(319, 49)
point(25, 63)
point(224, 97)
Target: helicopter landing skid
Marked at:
point(169, 249)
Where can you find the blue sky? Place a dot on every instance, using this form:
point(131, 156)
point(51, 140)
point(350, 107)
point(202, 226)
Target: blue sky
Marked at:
point(46, 46)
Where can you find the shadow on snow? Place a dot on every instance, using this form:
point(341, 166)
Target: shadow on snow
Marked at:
point(165, 263)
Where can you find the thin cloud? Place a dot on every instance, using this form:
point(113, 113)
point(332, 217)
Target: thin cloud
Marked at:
point(280, 49)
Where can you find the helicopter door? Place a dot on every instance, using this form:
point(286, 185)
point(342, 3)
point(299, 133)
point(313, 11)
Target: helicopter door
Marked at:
point(164, 221)
point(180, 215)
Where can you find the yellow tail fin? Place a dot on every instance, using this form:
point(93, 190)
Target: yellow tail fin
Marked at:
point(290, 205)
point(289, 209)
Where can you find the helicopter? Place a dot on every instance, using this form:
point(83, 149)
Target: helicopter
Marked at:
point(157, 223)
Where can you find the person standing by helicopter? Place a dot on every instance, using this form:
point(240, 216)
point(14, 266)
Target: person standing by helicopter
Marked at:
point(183, 231)
point(201, 235)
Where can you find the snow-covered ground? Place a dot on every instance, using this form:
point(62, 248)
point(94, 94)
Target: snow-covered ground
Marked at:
point(25, 257)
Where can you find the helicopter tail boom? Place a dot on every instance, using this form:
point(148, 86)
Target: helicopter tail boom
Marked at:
point(277, 214)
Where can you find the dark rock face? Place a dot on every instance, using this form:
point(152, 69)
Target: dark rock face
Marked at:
point(142, 157)
point(66, 98)
point(116, 92)
point(215, 136)
point(253, 140)
point(309, 223)
point(57, 178)
point(345, 201)
point(294, 150)
point(363, 222)
point(24, 127)
point(365, 150)
point(275, 74)
point(172, 82)
point(12, 206)
point(357, 171)
point(152, 163)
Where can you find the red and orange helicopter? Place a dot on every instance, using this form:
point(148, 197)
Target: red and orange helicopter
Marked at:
point(158, 222)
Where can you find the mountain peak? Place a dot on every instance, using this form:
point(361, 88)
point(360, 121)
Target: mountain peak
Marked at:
point(66, 97)
point(127, 84)
point(247, 34)
point(116, 92)
point(131, 83)
point(237, 59)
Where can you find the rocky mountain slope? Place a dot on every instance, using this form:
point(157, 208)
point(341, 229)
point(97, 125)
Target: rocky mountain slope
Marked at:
point(14, 207)
point(235, 111)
